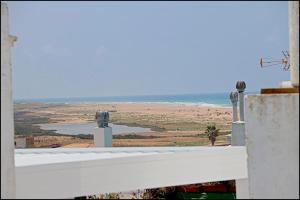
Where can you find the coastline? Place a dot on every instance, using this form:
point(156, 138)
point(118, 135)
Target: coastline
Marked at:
point(171, 124)
point(205, 99)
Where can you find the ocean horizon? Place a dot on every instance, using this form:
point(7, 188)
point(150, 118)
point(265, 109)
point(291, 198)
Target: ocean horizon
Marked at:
point(213, 99)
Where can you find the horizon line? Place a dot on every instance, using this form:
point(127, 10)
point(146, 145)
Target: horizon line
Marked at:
point(115, 96)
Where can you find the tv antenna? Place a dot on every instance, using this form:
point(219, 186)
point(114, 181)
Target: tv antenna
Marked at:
point(284, 62)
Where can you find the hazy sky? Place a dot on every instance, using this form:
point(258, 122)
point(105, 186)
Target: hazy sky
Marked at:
point(84, 49)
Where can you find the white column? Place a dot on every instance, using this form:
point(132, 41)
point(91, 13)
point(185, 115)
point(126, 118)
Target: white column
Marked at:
point(238, 135)
point(7, 121)
point(103, 137)
point(238, 139)
point(294, 41)
point(272, 140)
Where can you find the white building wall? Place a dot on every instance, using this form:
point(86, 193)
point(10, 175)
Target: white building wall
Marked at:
point(294, 41)
point(272, 140)
point(7, 124)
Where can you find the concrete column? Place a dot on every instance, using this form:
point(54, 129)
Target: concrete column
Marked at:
point(240, 86)
point(103, 137)
point(238, 139)
point(238, 135)
point(8, 186)
point(234, 100)
point(294, 41)
point(272, 140)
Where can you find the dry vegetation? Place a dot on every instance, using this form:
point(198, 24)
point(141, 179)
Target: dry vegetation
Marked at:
point(171, 125)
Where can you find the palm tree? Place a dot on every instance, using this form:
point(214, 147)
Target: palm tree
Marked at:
point(212, 133)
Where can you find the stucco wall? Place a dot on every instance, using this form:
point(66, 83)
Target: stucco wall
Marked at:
point(7, 123)
point(272, 140)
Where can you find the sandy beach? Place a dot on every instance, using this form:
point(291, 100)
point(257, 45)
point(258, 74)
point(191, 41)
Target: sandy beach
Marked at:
point(171, 124)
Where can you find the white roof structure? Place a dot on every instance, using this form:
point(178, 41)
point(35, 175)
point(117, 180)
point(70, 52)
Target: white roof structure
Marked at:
point(67, 173)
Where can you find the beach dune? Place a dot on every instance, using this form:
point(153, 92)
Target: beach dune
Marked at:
point(171, 124)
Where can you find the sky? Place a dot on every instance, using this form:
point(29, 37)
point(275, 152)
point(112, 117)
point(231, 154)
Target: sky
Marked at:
point(94, 49)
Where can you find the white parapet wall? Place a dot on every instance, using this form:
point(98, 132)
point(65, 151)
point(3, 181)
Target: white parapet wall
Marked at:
point(71, 172)
point(272, 140)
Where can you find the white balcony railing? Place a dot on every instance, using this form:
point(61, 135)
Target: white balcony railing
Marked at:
point(65, 173)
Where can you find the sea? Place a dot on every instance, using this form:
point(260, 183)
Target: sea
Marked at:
point(213, 100)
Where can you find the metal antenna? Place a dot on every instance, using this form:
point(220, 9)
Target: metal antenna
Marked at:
point(284, 62)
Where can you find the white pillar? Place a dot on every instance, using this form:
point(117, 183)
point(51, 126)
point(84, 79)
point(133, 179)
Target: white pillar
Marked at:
point(294, 41)
point(272, 140)
point(103, 137)
point(238, 139)
point(238, 136)
point(7, 122)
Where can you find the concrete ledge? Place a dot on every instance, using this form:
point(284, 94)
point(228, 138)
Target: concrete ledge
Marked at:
point(67, 173)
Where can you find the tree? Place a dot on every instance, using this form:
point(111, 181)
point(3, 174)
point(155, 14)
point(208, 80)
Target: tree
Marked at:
point(212, 133)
